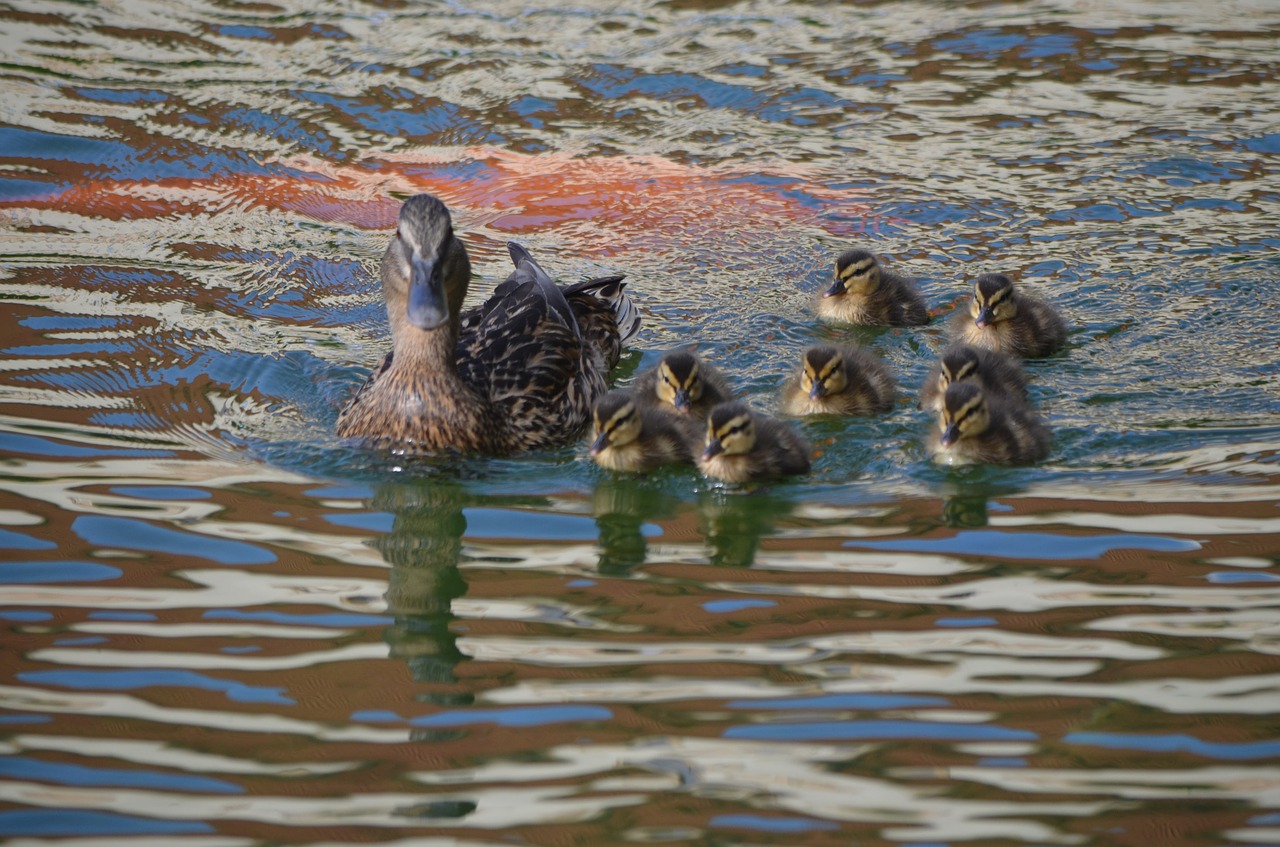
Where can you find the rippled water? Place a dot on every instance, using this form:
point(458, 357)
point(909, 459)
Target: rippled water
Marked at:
point(224, 627)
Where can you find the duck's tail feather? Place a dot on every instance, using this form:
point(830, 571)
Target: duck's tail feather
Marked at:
point(612, 290)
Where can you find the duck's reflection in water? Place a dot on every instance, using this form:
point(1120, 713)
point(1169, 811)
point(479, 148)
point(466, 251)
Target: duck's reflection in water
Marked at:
point(423, 548)
point(625, 510)
point(734, 522)
point(727, 524)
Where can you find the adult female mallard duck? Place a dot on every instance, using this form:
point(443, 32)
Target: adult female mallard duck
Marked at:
point(746, 446)
point(1009, 321)
point(978, 428)
point(865, 293)
point(996, 373)
point(631, 437)
point(839, 381)
point(519, 372)
point(684, 383)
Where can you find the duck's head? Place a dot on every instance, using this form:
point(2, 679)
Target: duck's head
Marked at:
point(857, 271)
point(731, 430)
point(823, 372)
point(679, 380)
point(964, 413)
point(992, 300)
point(957, 364)
point(425, 270)
point(617, 422)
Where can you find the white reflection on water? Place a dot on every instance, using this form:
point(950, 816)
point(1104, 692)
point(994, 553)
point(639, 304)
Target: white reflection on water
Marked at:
point(215, 589)
point(1261, 628)
point(495, 807)
point(181, 758)
point(1258, 785)
point(795, 777)
point(1029, 594)
point(123, 706)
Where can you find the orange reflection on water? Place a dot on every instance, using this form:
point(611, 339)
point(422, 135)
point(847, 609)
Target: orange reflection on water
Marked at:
point(630, 196)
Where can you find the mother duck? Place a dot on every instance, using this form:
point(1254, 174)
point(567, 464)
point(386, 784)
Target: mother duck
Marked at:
point(519, 372)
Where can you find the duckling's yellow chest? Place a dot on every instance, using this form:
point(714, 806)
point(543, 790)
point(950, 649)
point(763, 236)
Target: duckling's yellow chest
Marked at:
point(627, 457)
point(728, 468)
point(850, 308)
point(998, 336)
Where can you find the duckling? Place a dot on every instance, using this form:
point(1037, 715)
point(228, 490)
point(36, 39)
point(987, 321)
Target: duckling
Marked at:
point(519, 372)
point(746, 446)
point(998, 374)
point(978, 427)
point(865, 293)
point(839, 381)
point(631, 437)
point(684, 383)
point(1006, 320)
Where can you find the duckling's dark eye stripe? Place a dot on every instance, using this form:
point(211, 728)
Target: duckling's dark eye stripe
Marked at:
point(854, 270)
point(968, 409)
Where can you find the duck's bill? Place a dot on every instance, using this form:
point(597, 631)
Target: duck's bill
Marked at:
point(427, 307)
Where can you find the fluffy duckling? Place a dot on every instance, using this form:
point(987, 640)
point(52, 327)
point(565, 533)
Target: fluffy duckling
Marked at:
point(745, 446)
point(519, 372)
point(979, 428)
point(996, 373)
point(865, 293)
point(839, 381)
point(630, 437)
point(684, 383)
point(1006, 320)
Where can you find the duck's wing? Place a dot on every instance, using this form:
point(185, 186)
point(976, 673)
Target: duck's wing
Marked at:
point(528, 270)
point(610, 290)
point(523, 356)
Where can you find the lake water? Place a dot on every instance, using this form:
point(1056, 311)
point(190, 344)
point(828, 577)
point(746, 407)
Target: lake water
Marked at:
point(224, 627)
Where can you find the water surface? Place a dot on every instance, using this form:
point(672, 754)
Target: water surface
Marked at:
point(225, 627)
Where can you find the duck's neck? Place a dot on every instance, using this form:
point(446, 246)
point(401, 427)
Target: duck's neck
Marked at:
point(429, 357)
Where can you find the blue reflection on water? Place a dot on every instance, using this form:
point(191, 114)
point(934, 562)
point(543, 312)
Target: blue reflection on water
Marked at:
point(134, 534)
point(335, 620)
point(1030, 545)
point(1176, 743)
point(520, 716)
point(12, 540)
point(721, 607)
point(1233, 577)
point(539, 526)
point(372, 521)
point(46, 572)
point(161, 492)
point(64, 773)
point(129, 680)
point(767, 824)
point(867, 730)
point(69, 822)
